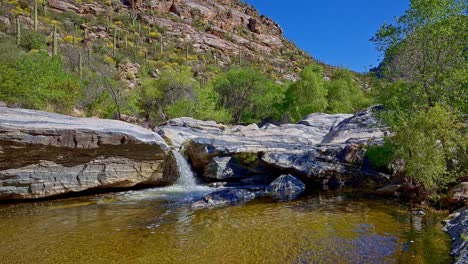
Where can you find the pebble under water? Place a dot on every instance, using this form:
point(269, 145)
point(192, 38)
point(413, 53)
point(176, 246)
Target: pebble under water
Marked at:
point(159, 226)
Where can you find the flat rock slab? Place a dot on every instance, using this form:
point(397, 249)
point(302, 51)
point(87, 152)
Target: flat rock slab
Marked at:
point(45, 154)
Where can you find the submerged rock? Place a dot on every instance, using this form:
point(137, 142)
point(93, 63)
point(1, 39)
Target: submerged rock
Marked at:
point(224, 198)
point(457, 228)
point(286, 187)
point(44, 154)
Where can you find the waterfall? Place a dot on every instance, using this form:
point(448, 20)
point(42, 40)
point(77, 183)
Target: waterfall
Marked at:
point(186, 176)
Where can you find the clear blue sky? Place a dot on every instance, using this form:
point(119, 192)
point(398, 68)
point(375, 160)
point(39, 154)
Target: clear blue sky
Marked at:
point(334, 31)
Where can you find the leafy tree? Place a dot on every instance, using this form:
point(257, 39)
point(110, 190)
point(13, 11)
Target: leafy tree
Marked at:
point(307, 95)
point(38, 81)
point(431, 143)
point(344, 93)
point(247, 94)
point(426, 46)
point(167, 97)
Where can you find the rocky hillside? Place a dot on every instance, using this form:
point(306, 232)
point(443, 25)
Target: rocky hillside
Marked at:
point(196, 32)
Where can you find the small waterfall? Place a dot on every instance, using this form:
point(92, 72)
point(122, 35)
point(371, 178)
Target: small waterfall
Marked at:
point(186, 176)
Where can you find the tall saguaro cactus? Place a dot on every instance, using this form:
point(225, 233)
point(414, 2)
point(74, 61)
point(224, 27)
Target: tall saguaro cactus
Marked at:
point(55, 41)
point(114, 44)
point(36, 21)
point(18, 31)
point(44, 7)
point(80, 65)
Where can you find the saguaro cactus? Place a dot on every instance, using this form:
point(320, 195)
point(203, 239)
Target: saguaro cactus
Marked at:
point(74, 35)
point(44, 7)
point(36, 21)
point(114, 45)
point(18, 31)
point(55, 41)
point(80, 65)
point(126, 39)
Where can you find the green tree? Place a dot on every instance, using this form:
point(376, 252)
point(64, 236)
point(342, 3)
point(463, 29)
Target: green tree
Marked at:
point(431, 142)
point(247, 93)
point(38, 81)
point(426, 46)
point(169, 96)
point(344, 93)
point(307, 95)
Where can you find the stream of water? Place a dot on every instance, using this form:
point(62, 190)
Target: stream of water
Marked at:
point(159, 226)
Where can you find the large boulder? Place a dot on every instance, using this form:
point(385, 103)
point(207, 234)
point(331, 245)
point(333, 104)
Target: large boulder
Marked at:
point(44, 154)
point(457, 228)
point(286, 187)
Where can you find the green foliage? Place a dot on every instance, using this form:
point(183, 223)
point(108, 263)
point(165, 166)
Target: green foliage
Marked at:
point(381, 156)
point(307, 95)
point(38, 81)
point(31, 40)
point(426, 62)
point(167, 97)
point(429, 141)
point(247, 93)
point(344, 93)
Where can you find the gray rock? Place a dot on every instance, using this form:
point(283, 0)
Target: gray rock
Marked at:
point(457, 228)
point(458, 194)
point(224, 198)
point(360, 128)
point(286, 187)
point(224, 168)
point(44, 154)
point(321, 146)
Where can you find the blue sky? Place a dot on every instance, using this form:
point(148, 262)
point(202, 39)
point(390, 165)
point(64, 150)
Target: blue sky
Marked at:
point(334, 31)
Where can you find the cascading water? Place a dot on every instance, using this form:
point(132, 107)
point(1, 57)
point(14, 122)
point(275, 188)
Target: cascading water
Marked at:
point(184, 190)
point(186, 176)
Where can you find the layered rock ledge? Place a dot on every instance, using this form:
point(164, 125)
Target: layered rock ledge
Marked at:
point(322, 148)
point(44, 154)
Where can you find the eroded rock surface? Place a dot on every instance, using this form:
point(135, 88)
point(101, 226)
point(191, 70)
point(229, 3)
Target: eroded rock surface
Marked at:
point(44, 154)
point(457, 228)
point(322, 147)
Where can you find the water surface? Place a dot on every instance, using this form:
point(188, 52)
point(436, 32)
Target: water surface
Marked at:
point(158, 226)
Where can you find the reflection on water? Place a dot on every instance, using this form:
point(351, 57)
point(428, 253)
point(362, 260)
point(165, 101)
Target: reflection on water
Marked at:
point(158, 226)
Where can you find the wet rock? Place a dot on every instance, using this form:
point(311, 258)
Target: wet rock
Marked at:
point(224, 198)
point(457, 228)
point(390, 190)
point(322, 147)
point(45, 154)
point(458, 194)
point(286, 187)
point(223, 168)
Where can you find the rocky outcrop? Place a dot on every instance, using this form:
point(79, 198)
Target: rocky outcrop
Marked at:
point(44, 154)
point(457, 228)
point(458, 194)
point(322, 148)
point(286, 187)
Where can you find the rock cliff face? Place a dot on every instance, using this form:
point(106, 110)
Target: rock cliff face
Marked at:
point(227, 30)
point(44, 154)
point(322, 148)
